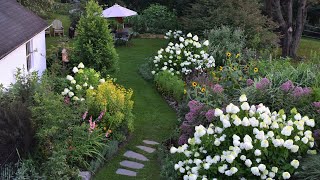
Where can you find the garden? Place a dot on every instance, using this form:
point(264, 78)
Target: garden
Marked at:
point(221, 96)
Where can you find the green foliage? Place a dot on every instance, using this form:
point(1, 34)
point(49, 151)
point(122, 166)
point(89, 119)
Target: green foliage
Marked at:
point(206, 14)
point(145, 70)
point(169, 85)
point(40, 7)
point(94, 43)
point(155, 19)
point(224, 39)
point(27, 170)
point(115, 101)
point(167, 162)
point(309, 168)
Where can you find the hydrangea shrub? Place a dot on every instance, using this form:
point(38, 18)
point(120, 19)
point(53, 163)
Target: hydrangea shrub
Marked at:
point(246, 142)
point(184, 56)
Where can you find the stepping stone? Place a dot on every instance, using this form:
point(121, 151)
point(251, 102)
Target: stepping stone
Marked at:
point(146, 149)
point(131, 164)
point(126, 172)
point(150, 142)
point(85, 175)
point(134, 155)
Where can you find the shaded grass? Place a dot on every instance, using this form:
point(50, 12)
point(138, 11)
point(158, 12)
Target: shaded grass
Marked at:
point(308, 45)
point(155, 120)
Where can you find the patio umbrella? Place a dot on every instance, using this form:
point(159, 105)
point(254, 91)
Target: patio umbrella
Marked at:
point(118, 11)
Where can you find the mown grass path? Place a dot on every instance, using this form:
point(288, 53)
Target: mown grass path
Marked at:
point(155, 120)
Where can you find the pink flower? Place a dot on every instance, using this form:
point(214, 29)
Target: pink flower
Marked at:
point(84, 116)
point(316, 104)
point(250, 82)
point(101, 115)
point(217, 88)
point(287, 86)
point(92, 124)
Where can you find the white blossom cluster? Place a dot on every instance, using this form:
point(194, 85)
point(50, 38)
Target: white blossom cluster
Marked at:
point(184, 56)
point(173, 34)
point(75, 87)
point(252, 138)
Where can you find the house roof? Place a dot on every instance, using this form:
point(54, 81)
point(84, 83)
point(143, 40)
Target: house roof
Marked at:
point(17, 26)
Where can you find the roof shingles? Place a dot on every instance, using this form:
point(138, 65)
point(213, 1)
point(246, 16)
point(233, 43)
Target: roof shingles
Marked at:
point(17, 25)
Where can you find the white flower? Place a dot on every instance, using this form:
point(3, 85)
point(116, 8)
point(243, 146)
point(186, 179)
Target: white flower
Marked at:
point(245, 122)
point(218, 112)
point(287, 130)
point(255, 171)
point(75, 98)
point(274, 169)
point(85, 85)
point(70, 94)
point(195, 38)
point(274, 125)
point(297, 116)
point(173, 150)
point(65, 91)
point(245, 106)
point(243, 157)
point(271, 174)
point(230, 158)
point(248, 163)
point(286, 175)
point(270, 134)
point(189, 35)
point(243, 98)
point(153, 72)
point(102, 80)
point(181, 39)
point(73, 82)
point(305, 140)
point(78, 87)
point(310, 122)
point(81, 65)
point(257, 152)
point(264, 143)
point(258, 160)
point(288, 143)
point(234, 170)
point(193, 177)
point(70, 78)
point(217, 142)
point(82, 99)
point(75, 70)
point(91, 87)
point(262, 167)
point(206, 166)
point(295, 163)
point(294, 148)
point(206, 43)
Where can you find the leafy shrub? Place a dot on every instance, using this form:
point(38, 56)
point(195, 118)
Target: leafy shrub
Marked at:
point(145, 70)
point(309, 168)
point(246, 142)
point(169, 85)
point(204, 15)
point(115, 102)
point(155, 19)
point(94, 43)
point(27, 170)
point(189, 55)
point(223, 40)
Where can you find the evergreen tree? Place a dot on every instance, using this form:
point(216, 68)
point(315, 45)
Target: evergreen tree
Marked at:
point(94, 45)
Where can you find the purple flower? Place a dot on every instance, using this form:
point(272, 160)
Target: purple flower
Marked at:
point(250, 82)
point(316, 104)
point(183, 139)
point(186, 128)
point(195, 106)
point(101, 115)
point(264, 83)
point(217, 88)
point(316, 134)
point(307, 91)
point(210, 115)
point(287, 86)
point(190, 116)
point(84, 116)
point(298, 92)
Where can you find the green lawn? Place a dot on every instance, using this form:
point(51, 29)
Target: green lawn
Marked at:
point(155, 120)
point(307, 45)
point(52, 41)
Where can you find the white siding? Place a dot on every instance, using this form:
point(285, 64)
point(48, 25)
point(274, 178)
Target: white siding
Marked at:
point(17, 59)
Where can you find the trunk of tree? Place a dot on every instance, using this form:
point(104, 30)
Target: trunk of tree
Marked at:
point(290, 32)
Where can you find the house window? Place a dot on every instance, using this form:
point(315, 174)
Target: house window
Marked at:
point(29, 55)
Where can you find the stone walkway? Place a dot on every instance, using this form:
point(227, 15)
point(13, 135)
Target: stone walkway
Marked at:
point(133, 157)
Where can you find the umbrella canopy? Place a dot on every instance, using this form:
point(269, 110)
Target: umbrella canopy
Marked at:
point(118, 11)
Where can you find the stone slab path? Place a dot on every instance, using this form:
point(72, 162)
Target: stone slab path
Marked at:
point(126, 172)
point(135, 156)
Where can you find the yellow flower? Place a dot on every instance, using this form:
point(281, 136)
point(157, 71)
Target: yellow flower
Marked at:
point(228, 54)
point(238, 55)
point(194, 84)
point(184, 91)
point(104, 128)
point(203, 89)
point(255, 70)
point(220, 68)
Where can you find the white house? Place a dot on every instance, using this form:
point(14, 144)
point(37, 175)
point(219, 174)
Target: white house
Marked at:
point(22, 41)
